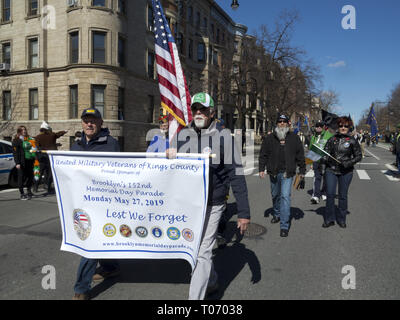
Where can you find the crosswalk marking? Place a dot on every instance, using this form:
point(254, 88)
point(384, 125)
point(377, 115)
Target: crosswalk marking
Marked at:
point(390, 167)
point(310, 174)
point(363, 175)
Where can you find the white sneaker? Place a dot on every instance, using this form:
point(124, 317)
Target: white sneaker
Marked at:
point(323, 197)
point(314, 200)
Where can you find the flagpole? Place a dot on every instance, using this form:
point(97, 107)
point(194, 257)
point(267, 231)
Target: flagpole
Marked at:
point(326, 153)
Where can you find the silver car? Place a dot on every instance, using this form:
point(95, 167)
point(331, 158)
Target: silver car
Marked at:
point(8, 172)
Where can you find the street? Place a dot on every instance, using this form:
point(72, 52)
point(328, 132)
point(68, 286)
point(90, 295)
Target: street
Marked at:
point(312, 263)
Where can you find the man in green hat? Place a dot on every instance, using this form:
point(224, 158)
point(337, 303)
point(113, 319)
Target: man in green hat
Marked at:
point(205, 135)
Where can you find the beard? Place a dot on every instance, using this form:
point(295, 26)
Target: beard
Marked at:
point(281, 132)
point(199, 122)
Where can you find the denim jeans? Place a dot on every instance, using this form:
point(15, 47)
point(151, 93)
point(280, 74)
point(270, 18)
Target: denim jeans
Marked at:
point(332, 180)
point(317, 192)
point(398, 160)
point(86, 270)
point(281, 189)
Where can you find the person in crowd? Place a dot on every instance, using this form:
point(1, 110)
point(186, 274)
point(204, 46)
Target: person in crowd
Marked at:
point(319, 138)
point(281, 152)
point(160, 142)
point(98, 139)
point(223, 174)
point(46, 140)
point(368, 139)
point(361, 140)
point(397, 149)
point(24, 150)
point(344, 153)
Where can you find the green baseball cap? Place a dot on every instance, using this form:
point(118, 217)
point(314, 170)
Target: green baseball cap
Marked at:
point(204, 99)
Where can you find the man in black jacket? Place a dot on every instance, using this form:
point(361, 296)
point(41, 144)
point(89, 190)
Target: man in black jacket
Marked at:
point(94, 138)
point(280, 153)
point(204, 136)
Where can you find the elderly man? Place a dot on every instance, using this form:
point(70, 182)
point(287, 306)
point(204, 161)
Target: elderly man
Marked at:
point(280, 153)
point(94, 138)
point(203, 135)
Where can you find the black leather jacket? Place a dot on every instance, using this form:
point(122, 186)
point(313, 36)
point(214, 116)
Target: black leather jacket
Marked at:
point(344, 148)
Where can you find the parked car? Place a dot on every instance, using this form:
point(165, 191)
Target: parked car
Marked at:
point(8, 172)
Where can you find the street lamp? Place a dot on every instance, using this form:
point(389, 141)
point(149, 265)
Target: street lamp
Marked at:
point(235, 4)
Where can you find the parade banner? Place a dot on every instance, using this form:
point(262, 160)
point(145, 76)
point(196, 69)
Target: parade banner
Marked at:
point(131, 205)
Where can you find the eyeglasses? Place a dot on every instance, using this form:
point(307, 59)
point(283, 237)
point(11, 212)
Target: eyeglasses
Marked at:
point(343, 126)
point(282, 121)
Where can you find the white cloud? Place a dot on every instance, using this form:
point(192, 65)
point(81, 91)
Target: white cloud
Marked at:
point(337, 64)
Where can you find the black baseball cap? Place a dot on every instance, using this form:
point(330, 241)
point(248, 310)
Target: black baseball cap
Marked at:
point(91, 112)
point(283, 117)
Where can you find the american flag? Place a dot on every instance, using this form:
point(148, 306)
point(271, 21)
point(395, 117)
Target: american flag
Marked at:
point(175, 97)
point(81, 219)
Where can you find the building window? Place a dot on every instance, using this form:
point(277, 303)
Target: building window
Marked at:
point(198, 19)
point(74, 47)
point(122, 6)
point(180, 43)
point(33, 104)
point(201, 52)
point(236, 46)
point(121, 103)
point(150, 17)
point(73, 101)
point(190, 15)
point(190, 49)
point(33, 47)
point(99, 47)
point(150, 110)
point(205, 25)
point(215, 58)
point(217, 40)
point(6, 52)
point(6, 11)
point(150, 65)
point(33, 8)
point(121, 51)
point(99, 3)
point(98, 94)
point(6, 105)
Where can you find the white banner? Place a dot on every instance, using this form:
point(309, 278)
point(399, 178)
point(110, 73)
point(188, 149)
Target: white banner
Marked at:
point(131, 205)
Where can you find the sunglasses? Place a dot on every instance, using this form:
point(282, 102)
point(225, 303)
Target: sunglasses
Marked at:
point(318, 126)
point(343, 126)
point(282, 121)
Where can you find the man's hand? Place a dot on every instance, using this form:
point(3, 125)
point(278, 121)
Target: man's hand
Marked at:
point(242, 224)
point(171, 153)
point(262, 174)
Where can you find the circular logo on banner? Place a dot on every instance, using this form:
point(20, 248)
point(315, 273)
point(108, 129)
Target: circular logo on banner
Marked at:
point(188, 235)
point(82, 224)
point(207, 150)
point(157, 232)
point(141, 232)
point(109, 230)
point(125, 231)
point(173, 233)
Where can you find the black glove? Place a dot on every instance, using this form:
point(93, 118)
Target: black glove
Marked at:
point(347, 164)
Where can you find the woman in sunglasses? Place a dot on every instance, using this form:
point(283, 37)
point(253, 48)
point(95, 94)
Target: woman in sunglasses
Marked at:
point(344, 153)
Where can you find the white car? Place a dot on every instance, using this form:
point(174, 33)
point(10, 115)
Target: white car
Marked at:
point(8, 173)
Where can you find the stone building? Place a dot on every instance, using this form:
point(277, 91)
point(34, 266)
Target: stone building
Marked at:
point(58, 57)
point(63, 56)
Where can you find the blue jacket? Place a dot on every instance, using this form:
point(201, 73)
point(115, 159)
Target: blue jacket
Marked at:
point(225, 170)
point(102, 142)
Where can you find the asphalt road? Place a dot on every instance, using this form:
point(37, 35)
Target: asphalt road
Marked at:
point(306, 265)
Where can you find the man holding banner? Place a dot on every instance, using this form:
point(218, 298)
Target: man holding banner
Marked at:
point(94, 138)
point(204, 136)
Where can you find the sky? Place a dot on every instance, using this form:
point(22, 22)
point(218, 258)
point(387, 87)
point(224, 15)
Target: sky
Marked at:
point(362, 65)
